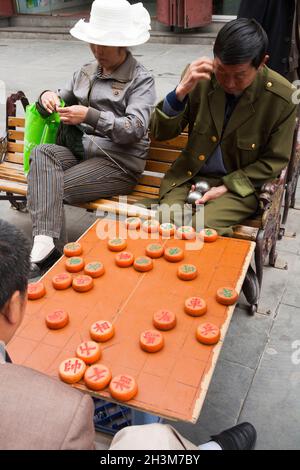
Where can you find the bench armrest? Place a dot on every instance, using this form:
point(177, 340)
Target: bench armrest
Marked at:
point(270, 197)
point(3, 148)
point(270, 188)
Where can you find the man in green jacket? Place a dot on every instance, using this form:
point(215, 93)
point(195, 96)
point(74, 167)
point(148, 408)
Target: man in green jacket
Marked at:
point(241, 118)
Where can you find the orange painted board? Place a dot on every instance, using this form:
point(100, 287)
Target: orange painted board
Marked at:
point(172, 382)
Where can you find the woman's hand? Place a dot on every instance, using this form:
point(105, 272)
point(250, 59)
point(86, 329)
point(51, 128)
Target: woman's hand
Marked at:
point(73, 115)
point(50, 101)
point(213, 193)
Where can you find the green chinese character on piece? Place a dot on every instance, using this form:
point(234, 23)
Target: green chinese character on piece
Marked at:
point(174, 251)
point(94, 266)
point(188, 269)
point(142, 261)
point(208, 232)
point(227, 293)
point(74, 261)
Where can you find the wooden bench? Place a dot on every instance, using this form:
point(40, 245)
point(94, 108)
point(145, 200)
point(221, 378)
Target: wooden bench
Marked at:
point(263, 228)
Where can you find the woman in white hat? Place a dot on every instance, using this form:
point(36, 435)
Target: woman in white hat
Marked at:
point(110, 100)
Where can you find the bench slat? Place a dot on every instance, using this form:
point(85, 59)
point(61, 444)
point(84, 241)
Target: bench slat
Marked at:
point(14, 158)
point(15, 135)
point(11, 173)
point(14, 147)
point(157, 167)
point(148, 180)
point(163, 155)
point(176, 143)
point(13, 187)
point(107, 205)
point(16, 121)
point(244, 232)
point(13, 166)
point(146, 189)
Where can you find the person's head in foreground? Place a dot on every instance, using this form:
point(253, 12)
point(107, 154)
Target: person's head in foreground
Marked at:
point(240, 52)
point(14, 269)
point(113, 26)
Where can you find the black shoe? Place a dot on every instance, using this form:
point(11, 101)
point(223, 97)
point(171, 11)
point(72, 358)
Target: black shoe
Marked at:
point(240, 437)
point(38, 269)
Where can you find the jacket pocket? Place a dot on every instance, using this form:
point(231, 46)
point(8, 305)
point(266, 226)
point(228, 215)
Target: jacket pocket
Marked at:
point(249, 150)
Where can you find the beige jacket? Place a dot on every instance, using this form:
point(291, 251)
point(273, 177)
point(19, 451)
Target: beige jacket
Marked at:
point(38, 412)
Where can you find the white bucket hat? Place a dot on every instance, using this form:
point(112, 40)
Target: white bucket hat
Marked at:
point(114, 23)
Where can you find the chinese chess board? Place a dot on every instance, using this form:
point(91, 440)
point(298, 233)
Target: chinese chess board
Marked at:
point(172, 382)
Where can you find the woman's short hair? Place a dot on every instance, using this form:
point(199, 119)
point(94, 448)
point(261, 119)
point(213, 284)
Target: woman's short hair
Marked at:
point(14, 262)
point(241, 41)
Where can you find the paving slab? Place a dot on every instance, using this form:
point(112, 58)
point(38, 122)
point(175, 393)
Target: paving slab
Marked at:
point(273, 403)
point(246, 338)
point(292, 292)
point(223, 403)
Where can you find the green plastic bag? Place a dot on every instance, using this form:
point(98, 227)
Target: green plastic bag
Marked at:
point(38, 130)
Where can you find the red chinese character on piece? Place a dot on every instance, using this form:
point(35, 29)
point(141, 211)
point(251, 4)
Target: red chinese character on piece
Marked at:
point(150, 337)
point(208, 328)
point(164, 316)
point(80, 280)
point(123, 382)
point(101, 326)
point(98, 374)
point(61, 277)
point(124, 255)
point(69, 367)
point(86, 349)
point(195, 302)
point(57, 315)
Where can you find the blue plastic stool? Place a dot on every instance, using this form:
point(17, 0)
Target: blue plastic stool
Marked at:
point(111, 418)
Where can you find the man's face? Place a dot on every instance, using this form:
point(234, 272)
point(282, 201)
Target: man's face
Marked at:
point(234, 79)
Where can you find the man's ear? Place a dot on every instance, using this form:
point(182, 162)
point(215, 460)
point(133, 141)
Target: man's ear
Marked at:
point(14, 308)
point(264, 61)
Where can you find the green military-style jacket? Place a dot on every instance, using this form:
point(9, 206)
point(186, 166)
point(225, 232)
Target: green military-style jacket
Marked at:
point(257, 141)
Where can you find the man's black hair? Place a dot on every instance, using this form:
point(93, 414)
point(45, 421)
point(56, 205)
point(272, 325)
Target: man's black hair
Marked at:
point(241, 41)
point(14, 262)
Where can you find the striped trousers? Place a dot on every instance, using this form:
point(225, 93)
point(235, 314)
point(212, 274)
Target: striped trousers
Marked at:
point(57, 176)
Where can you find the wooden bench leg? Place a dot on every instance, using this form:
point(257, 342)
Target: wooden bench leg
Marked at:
point(293, 196)
point(251, 290)
point(259, 256)
point(18, 202)
point(287, 205)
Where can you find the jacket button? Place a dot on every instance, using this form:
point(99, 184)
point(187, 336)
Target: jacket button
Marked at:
point(173, 184)
point(253, 146)
point(214, 139)
point(189, 173)
point(269, 84)
point(201, 158)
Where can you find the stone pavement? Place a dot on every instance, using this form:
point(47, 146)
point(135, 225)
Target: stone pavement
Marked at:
point(257, 378)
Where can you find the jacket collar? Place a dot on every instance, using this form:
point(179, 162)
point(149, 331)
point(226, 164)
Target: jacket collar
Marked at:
point(245, 107)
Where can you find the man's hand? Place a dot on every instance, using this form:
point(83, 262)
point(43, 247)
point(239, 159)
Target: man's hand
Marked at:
point(213, 193)
point(200, 69)
point(75, 114)
point(50, 101)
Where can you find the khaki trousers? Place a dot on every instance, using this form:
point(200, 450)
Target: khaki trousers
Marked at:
point(220, 214)
point(150, 437)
